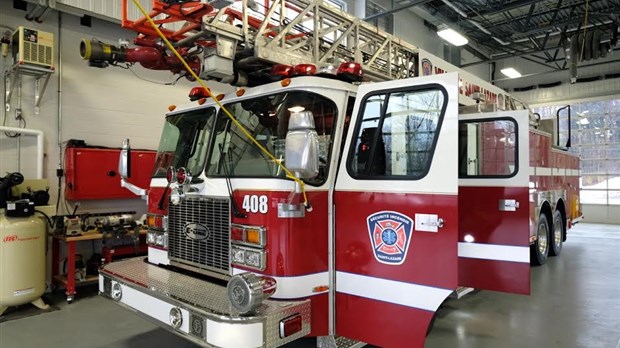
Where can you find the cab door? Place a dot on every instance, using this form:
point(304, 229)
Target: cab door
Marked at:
point(494, 203)
point(396, 210)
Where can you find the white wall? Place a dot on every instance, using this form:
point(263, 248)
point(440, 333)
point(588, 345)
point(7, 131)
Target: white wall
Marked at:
point(99, 106)
point(605, 214)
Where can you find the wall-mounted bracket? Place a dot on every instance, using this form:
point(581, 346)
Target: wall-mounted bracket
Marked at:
point(12, 76)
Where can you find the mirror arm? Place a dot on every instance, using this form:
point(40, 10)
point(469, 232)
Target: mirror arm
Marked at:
point(134, 189)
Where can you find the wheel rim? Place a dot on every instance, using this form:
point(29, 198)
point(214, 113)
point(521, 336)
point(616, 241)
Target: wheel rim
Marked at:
point(557, 234)
point(542, 239)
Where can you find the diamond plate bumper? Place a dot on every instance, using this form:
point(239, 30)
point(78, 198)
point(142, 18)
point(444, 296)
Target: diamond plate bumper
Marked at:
point(207, 317)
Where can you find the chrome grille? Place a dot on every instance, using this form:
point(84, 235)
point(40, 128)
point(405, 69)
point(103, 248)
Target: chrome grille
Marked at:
point(211, 253)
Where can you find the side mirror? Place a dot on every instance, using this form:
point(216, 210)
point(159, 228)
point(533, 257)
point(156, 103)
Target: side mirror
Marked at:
point(302, 145)
point(124, 161)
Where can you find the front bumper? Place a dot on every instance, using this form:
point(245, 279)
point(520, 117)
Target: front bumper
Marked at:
point(207, 317)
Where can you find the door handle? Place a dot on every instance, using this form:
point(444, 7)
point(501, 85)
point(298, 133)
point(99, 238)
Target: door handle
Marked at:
point(508, 205)
point(436, 223)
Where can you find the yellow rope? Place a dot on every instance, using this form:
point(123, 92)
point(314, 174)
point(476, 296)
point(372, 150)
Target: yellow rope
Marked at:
point(232, 118)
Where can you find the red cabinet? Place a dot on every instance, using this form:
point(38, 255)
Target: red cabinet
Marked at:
point(92, 173)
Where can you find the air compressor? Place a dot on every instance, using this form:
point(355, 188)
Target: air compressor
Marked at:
point(22, 249)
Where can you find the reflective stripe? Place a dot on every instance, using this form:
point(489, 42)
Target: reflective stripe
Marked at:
point(495, 252)
point(548, 171)
point(296, 287)
point(405, 294)
point(542, 171)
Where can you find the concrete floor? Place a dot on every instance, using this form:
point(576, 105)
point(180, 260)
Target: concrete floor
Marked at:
point(575, 302)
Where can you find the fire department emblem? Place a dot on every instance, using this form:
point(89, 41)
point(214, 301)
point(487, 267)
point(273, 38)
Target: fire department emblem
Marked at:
point(390, 234)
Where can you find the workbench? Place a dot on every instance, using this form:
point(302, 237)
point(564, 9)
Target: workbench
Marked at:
point(107, 252)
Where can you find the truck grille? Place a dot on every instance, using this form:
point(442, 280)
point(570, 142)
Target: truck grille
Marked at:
point(207, 250)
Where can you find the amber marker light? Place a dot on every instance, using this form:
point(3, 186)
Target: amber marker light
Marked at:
point(171, 107)
point(320, 288)
point(240, 92)
point(202, 101)
point(220, 96)
point(285, 82)
point(253, 236)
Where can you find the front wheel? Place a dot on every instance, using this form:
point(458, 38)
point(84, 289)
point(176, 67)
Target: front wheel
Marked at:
point(540, 250)
point(557, 235)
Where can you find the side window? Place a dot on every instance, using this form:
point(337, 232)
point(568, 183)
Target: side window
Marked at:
point(397, 133)
point(488, 148)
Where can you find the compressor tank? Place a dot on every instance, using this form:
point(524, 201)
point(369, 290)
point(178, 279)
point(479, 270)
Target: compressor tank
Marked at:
point(22, 260)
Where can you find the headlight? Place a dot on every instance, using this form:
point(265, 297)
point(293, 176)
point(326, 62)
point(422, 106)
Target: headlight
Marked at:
point(253, 259)
point(150, 238)
point(248, 257)
point(237, 255)
point(247, 291)
point(160, 240)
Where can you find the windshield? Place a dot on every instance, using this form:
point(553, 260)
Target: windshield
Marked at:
point(184, 141)
point(266, 118)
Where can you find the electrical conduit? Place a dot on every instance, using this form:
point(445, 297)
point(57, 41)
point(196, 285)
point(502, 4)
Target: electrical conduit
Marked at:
point(39, 135)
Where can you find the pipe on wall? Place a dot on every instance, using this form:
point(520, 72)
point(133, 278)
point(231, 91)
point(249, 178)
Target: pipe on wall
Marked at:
point(39, 135)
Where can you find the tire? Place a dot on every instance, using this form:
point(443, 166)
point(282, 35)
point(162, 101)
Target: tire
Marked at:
point(539, 252)
point(556, 235)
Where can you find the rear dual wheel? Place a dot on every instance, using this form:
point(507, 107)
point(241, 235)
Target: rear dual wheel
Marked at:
point(539, 252)
point(557, 235)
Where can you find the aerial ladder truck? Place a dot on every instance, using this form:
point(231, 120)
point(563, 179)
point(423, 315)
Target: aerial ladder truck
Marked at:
point(347, 186)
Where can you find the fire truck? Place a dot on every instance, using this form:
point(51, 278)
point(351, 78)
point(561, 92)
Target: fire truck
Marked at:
point(305, 203)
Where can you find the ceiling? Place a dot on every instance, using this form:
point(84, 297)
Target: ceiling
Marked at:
point(538, 31)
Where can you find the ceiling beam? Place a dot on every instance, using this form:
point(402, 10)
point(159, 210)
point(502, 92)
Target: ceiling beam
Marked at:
point(608, 12)
point(504, 8)
point(397, 9)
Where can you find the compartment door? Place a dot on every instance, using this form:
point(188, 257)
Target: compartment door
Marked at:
point(396, 223)
point(494, 202)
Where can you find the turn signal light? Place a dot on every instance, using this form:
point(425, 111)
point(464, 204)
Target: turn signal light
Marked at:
point(236, 234)
point(155, 221)
point(248, 235)
point(253, 236)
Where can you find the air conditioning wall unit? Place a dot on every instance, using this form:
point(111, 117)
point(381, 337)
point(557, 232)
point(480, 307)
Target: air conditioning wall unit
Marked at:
point(33, 47)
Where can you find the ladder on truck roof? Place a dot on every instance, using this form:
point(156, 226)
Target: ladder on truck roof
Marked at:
point(254, 35)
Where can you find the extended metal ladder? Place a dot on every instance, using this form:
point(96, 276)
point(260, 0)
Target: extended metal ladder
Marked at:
point(285, 32)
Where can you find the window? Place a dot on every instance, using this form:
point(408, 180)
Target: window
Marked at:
point(397, 133)
point(184, 141)
point(488, 148)
point(385, 22)
point(266, 118)
point(595, 127)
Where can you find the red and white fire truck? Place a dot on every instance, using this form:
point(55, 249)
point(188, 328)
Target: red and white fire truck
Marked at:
point(374, 203)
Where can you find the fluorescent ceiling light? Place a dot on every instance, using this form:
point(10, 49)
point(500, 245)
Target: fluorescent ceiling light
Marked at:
point(452, 36)
point(511, 72)
point(583, 121)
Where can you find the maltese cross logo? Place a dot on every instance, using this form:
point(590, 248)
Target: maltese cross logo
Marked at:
point(390, 235)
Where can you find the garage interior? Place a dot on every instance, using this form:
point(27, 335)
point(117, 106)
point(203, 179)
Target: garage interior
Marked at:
point(68, 111)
